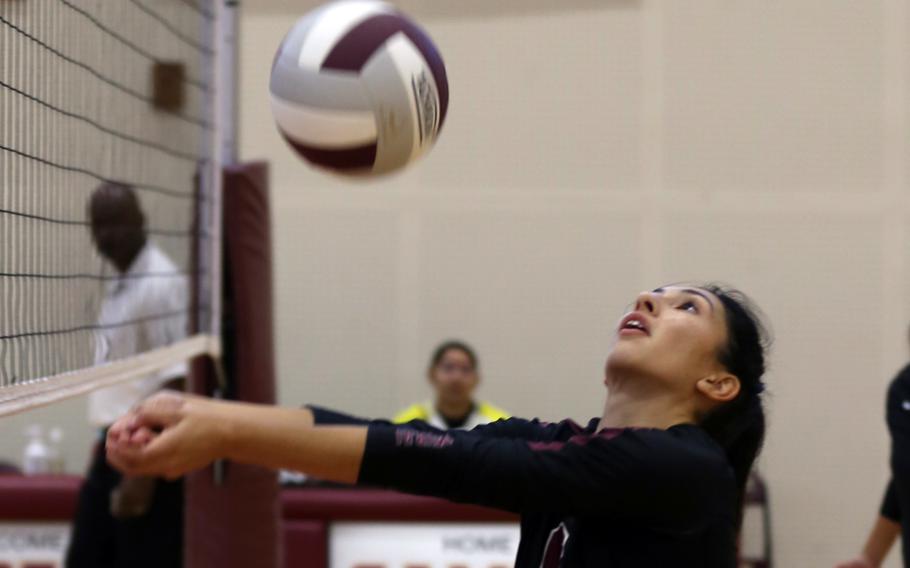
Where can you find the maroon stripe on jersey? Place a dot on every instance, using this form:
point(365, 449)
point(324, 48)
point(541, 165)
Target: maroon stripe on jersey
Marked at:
point(552, 553)
point(546, 446)
point(342, 159)
point(357, 46)
point(579, 439)
point(610, 433)
point(605, 434)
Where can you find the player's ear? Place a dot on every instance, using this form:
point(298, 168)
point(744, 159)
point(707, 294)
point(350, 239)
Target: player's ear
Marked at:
point(719, 387)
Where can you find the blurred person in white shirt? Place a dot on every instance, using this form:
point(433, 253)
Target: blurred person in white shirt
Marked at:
point(130, 521)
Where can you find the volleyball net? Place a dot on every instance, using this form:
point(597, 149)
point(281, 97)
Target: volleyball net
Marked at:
point(113, 132)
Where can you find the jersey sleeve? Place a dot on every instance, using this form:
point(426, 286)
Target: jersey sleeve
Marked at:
point(891, 507)
point(651, 476)
point(512, 428)
point(327, 417)
point(521, 429)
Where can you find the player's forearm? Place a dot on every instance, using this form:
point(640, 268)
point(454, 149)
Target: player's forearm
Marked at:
point(880, 540)
point(286, 438)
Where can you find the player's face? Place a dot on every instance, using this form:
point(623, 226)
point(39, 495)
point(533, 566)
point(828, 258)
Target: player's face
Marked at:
point(672, 338)
point(454, 377)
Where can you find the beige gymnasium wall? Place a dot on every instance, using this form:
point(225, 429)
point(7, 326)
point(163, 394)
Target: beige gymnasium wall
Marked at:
point(596, 148)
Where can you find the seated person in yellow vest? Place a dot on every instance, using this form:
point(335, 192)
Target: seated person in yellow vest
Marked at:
point(454, 375)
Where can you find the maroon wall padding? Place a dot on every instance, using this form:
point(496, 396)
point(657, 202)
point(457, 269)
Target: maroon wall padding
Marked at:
point(307, 515)
point(236, 524)
point(309, 512)
point(306, 544)
point(383, 506)
point(38, 498)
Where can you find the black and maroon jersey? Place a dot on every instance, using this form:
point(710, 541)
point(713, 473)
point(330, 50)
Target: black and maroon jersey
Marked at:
point(614, 498)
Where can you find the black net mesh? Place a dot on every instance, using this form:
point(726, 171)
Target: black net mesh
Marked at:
point(80, 109)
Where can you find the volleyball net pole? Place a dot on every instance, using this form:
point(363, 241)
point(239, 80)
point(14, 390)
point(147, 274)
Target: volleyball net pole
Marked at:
point(232, 511)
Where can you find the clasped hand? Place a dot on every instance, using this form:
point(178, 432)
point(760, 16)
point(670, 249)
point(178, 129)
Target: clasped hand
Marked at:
point(167, 435)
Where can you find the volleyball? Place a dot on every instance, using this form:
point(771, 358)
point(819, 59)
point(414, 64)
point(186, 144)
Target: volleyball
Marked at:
point(358, 88)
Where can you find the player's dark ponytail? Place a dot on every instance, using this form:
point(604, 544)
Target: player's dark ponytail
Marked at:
point(739, 425)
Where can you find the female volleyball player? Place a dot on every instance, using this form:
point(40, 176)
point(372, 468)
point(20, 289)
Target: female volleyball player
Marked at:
point(656, 481)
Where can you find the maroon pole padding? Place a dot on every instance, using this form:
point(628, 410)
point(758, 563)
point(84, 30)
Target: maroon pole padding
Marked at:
point(306, 544)
point(235, 524)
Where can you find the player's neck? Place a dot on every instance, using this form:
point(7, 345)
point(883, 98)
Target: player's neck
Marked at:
point(624, 409)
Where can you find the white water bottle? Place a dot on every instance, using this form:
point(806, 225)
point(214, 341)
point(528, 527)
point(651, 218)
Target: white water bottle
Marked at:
point(56, 463)
point(36, 457)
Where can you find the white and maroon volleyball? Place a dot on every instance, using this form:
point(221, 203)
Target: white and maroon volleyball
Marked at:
point(357, 88)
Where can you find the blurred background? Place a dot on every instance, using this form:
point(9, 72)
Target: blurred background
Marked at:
point(594, 149)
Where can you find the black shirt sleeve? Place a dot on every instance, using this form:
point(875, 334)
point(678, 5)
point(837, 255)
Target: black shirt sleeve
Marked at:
point(655, 476)
point(521, 429)
point(514, 428)
point(891, 507)
point(326, 417)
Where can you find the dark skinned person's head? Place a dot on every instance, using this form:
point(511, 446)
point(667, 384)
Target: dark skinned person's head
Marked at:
point(117, 223)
